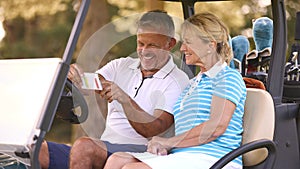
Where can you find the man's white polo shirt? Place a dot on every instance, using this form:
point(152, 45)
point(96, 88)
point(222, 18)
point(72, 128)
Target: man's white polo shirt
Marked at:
point(157, 92)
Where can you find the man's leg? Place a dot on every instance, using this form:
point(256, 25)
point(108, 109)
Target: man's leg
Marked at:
point(93, 153)
point(88, 153)
point(44, 156)
point(53, 155)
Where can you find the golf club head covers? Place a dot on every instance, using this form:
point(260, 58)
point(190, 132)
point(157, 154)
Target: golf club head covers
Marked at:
point(263, 33)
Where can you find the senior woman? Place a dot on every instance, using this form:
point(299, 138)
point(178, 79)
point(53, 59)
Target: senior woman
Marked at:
point(208, 114)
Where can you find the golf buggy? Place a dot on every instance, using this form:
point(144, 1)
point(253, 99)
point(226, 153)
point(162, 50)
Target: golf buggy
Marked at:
point(271, 122)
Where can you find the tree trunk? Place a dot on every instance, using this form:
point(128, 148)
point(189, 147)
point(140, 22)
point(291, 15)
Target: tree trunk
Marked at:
point(97, 16)
point(153, 5)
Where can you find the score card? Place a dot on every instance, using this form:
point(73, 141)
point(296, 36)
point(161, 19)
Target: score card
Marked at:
point(91, 81)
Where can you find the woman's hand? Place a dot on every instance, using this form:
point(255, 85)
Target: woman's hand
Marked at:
point(158, 145)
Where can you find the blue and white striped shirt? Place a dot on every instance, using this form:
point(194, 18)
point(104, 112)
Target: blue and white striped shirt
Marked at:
point(194, 104)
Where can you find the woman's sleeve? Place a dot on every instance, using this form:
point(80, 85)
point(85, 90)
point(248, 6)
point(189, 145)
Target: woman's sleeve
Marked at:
point(229, 85)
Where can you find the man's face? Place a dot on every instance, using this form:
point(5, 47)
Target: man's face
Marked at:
point(153, 50)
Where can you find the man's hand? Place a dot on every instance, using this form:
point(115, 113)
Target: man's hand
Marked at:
point(111, 92)
point(75, 75)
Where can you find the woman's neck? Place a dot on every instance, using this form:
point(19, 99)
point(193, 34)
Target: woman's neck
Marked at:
point(210, 63)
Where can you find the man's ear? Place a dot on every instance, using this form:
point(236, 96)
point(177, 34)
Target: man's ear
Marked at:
point(172, 43)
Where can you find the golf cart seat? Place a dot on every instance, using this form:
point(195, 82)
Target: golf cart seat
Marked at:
point(259, 124)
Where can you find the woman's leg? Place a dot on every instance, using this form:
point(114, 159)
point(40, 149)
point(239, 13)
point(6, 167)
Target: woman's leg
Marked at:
point(136, 165)
point(122, 160)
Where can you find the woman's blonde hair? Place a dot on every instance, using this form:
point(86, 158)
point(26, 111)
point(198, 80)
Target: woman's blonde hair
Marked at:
point(211, 29)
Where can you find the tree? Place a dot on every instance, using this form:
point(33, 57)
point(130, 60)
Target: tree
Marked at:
point(35, 28)
point(94, 21)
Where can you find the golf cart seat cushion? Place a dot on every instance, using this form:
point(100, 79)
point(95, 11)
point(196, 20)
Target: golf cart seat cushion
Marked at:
point(26, 85)
point(259, 122)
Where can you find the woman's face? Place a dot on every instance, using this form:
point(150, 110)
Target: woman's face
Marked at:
point(197, 51)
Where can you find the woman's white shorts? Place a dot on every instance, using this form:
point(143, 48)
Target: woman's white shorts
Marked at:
point(181, 160)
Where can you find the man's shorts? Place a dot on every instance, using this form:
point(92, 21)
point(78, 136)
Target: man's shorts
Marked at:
point(59, 153)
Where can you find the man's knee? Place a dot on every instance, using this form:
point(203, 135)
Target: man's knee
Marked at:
point(83, 145)
point(89, 147)
point(88, 152)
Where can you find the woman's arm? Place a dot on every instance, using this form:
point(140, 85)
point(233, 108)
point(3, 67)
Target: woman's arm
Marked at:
point(221, 113)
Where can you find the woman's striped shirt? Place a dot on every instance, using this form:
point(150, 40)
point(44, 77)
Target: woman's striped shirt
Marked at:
point(194, 104)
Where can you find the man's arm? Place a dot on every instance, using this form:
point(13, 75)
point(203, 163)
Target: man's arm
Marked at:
point(75, 76)
point(102, 105)
point(144, 123)
point(102, 102)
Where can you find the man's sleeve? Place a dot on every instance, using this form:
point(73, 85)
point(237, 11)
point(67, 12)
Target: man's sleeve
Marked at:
point(108, 71)
point(167, 99)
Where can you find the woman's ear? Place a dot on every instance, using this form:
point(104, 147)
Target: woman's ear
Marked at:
point(213, 45)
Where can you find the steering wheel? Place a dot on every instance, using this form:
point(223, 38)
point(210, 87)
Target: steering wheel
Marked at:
point(71, 100)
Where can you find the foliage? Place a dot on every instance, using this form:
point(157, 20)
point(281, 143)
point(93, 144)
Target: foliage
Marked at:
point(30, 8)
point(292, 7)
point(242, 12)
point(42, 34)
point(41, 28)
